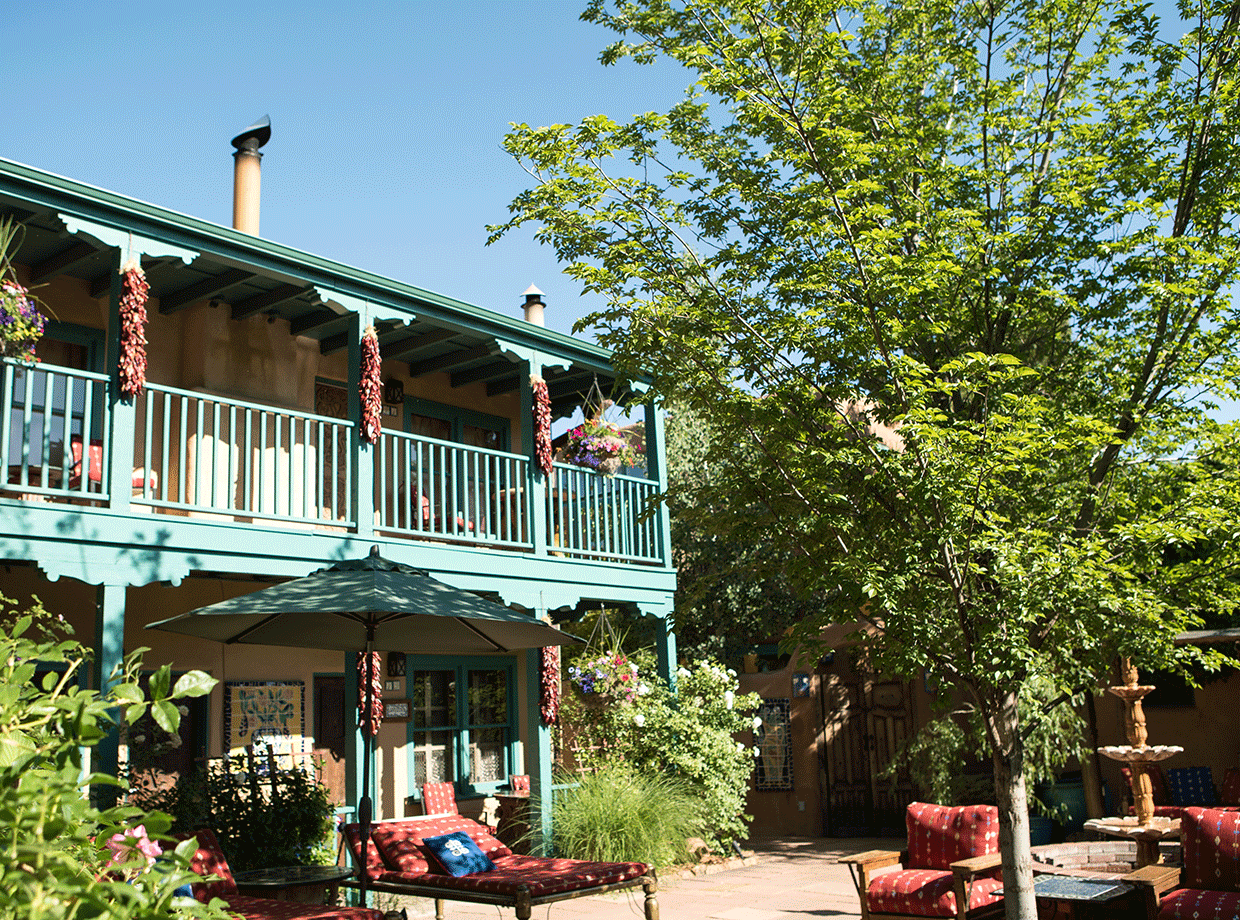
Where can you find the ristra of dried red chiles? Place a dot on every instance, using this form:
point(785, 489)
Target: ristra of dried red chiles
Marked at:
point(371, 386)
point(370, 675)
point(542, 424)
point(132, 366)
point(549, 701)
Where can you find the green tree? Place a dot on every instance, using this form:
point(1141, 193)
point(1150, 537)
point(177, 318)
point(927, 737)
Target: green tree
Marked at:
point(730, 591)
point(62, 858)
point(1004, 230)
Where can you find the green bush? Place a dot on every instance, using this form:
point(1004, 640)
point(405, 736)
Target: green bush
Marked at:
point(56, 862)
point(259, 824)
point(689, 735)
point(622, 814)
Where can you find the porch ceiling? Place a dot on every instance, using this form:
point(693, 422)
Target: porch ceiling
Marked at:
point(428, 346)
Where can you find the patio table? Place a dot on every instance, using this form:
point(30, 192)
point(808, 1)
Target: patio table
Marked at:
point(311, 884)
point(1066, 897)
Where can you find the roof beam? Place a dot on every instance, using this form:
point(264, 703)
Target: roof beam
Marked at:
point(62, 262)
point(450, 360)
point(401, 348)
point(265, 301)
point(573, 386)
point(485, 372)
point(304, 325)
point(503, 385)
point(204, 289)
point(333, 343)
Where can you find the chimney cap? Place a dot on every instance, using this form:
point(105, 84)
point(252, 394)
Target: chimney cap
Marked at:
point(531, 291)
point(255, 135)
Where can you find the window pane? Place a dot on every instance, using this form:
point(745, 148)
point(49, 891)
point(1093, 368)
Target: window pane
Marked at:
point(486, 754)
point(488, 697)
point(433, 760)
point(433, 697)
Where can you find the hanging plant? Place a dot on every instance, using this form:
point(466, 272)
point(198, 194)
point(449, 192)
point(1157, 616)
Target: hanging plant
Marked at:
point(375, 679)
point(132, 366)
point(21, 323)
point(542, 424)
point(371, 386)
point(549, 699)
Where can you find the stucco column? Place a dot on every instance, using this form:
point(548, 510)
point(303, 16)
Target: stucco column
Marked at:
point(109, 653)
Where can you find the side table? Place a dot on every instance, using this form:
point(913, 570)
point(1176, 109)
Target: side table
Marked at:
point(307, 884)
point(1069, 897)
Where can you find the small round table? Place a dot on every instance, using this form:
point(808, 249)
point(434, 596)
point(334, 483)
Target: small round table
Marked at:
point(309, 884)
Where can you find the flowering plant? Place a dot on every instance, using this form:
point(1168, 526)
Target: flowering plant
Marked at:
point(609, 674)
point(598, 444)
point(21, 323)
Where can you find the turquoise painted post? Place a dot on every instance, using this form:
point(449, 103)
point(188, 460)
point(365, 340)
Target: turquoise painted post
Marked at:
point(353, 739)
point(119, 444)
point(665, 645)
point(536, 482)
point(656, 470)
point(109, 653)
point(538, 755)
point(363, 454)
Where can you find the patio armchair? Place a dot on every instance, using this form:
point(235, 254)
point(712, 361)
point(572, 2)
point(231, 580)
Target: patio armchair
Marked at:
point(949, 870)
point(1210, 879)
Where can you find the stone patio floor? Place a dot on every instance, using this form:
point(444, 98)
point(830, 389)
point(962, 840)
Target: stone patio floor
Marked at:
point(788, 878)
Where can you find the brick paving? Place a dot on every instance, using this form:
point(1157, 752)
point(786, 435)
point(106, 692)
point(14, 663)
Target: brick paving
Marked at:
point(789, 878)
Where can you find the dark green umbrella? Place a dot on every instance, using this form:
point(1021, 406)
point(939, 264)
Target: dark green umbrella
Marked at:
point(366, 605)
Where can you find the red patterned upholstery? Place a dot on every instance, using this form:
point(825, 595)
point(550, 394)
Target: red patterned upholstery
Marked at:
point(374, 861)
point(520, 782)
point(406, 862)
point(1231, 787)
point(1211, 842)
point(1197, 904)
point(939, 836)
point(439, 799)
point(925, 893)
point(209, 859)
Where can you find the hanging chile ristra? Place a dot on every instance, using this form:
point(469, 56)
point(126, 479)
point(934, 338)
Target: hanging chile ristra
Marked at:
point(375, 680)
point(371, 386)
point(542, 424)
point(549, 701)
point(132, 366)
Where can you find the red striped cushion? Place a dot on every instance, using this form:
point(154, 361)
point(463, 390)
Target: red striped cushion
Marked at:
point(400, 842)
point(1197, 904)
point(540, 875)
point(925, 893)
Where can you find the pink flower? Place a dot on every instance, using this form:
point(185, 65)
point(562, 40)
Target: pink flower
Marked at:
point(123, 845)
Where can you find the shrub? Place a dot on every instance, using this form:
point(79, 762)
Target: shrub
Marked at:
point(688, 735)
point(63, 855)
point(623, 814)
point(284, 818)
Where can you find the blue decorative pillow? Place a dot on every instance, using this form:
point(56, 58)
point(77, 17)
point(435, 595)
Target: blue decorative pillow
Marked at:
point(458, 854)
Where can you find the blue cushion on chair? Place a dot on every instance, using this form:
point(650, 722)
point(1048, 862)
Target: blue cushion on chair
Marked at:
point(1191, 786)
point(458, 854)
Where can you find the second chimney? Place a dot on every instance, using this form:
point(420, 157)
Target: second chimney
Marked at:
point(247, 175)
point(534, 306)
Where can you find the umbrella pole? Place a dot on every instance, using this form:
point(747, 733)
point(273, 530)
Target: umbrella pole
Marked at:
point(364, 806)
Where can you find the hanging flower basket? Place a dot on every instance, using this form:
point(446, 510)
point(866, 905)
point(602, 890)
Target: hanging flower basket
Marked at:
point(598, 444)
point(21, 323)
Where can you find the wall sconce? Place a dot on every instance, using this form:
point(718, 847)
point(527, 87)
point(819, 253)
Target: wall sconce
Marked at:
point(393, 391)
point(396, 664)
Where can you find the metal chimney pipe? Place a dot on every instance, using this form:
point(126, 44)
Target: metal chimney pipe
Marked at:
point(247, 175)
point(534, 306)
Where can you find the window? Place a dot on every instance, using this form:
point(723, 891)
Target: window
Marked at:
point(465, 738)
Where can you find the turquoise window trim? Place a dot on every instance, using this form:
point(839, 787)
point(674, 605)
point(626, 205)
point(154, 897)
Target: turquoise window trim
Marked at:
point(461, 665)
point(458, 417)
point(94, 340)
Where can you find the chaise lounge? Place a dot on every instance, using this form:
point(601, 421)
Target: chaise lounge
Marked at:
point(399, 861)
point(209, 860)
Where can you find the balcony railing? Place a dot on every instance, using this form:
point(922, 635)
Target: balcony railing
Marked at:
point(202, 455)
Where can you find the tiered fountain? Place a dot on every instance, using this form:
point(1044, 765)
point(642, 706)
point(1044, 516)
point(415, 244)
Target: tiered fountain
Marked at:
point(1146, 829)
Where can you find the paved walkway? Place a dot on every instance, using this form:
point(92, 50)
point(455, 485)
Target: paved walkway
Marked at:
point(792, 878)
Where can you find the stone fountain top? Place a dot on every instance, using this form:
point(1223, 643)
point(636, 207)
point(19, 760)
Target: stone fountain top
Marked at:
point(1140, 754)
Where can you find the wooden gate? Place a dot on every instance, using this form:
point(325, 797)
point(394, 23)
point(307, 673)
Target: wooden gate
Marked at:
point(865, 722)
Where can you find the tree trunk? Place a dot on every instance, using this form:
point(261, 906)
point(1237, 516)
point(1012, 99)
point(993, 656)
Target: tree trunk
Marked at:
point(1013, 801)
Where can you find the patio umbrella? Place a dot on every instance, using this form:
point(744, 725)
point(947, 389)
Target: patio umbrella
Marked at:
point(366, 605)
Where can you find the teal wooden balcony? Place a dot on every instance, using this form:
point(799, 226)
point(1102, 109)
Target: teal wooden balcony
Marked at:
point(202, 456)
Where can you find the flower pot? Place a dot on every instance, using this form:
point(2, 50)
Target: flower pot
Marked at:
point(610, 466)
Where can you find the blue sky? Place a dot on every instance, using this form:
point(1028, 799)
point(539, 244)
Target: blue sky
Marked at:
point(387, 120)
